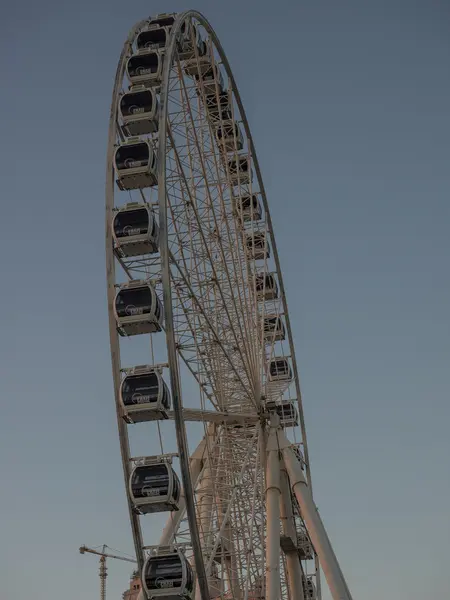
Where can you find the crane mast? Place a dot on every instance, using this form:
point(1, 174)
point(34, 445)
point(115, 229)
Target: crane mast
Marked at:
point(103, 573)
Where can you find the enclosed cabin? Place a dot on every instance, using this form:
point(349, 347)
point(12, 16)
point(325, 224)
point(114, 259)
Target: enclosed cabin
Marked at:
point(189, 43)
point(266, 286)
point(154, 486)
point(239, 170)
point(286, 410)
point(304, 547)
point(274, 330)
point(168, 576)
point(144, 395)
point(153, 38)
point(257, 246)
point(135, 162)
point(163, 20)
point(229, 136)
point(211, 80)
point(135, 230)
point(280, 369)
point(309, 588)
point(195, 67)
point(248, 207)
point(145, 68)
point(139, 110)
point(137, 308)
point(218, 105)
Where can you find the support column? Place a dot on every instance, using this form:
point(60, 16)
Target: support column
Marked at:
point(328, 561)
point(174, 518)
point(273, 495)
point(205, 498)
point(294, 569)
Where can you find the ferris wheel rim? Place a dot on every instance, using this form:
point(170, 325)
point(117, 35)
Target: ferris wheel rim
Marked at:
point(110, 276)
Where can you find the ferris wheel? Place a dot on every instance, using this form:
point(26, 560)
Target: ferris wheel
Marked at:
point(201, 343)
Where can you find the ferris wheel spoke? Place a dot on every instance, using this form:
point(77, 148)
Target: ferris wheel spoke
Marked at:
point(231, 489)
point(210, 167)
point(241, 285)
point(217, 339)
point(212, 267)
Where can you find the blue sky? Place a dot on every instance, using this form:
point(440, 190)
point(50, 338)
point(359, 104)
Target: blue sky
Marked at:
point(349, 104)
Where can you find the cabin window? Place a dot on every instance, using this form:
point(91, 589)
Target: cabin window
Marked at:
point(137, 103)
point(131, 222)
point(132, 156)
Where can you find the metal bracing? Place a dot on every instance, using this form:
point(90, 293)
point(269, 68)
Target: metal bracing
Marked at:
point(174, 519)
point(111, 281)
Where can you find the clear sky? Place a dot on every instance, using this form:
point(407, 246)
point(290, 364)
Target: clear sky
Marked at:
point(349, 103)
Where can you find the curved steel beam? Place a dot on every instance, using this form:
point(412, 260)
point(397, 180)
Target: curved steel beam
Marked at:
point(111, 280)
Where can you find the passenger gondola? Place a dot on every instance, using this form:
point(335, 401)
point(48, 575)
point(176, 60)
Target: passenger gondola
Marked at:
point(286, 410)
point(248, 207)
point(280, 369)
point(163, 20)
point(257, 246)
point(135, 162)
point(309, 588)
point(144, 395)
point(139, 110)
point(145, 67)
point(153, 38)
point(239, 170)
point(137, 309)
point(154, 487)
point(211, 79)
point(135, 230)
point(229, 136)
point(218, 105)
point(193, 67)
point(266, 286)
point(189, 43)
point(274, 330)
point(168, 576)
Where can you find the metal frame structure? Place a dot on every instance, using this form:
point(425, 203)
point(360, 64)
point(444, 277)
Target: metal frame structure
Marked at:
point(103, 571)
point(246, 509)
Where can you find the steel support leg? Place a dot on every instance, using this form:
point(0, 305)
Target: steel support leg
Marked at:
point(294, 569)
point(273, 496)
point(174, 518)
point(328, 561)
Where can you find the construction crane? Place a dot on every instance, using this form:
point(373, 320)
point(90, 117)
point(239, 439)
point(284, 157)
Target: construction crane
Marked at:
point(102, 570)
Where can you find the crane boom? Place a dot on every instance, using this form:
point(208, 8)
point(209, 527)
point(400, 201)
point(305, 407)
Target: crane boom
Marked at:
point(103, 570)
point(84, 549)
